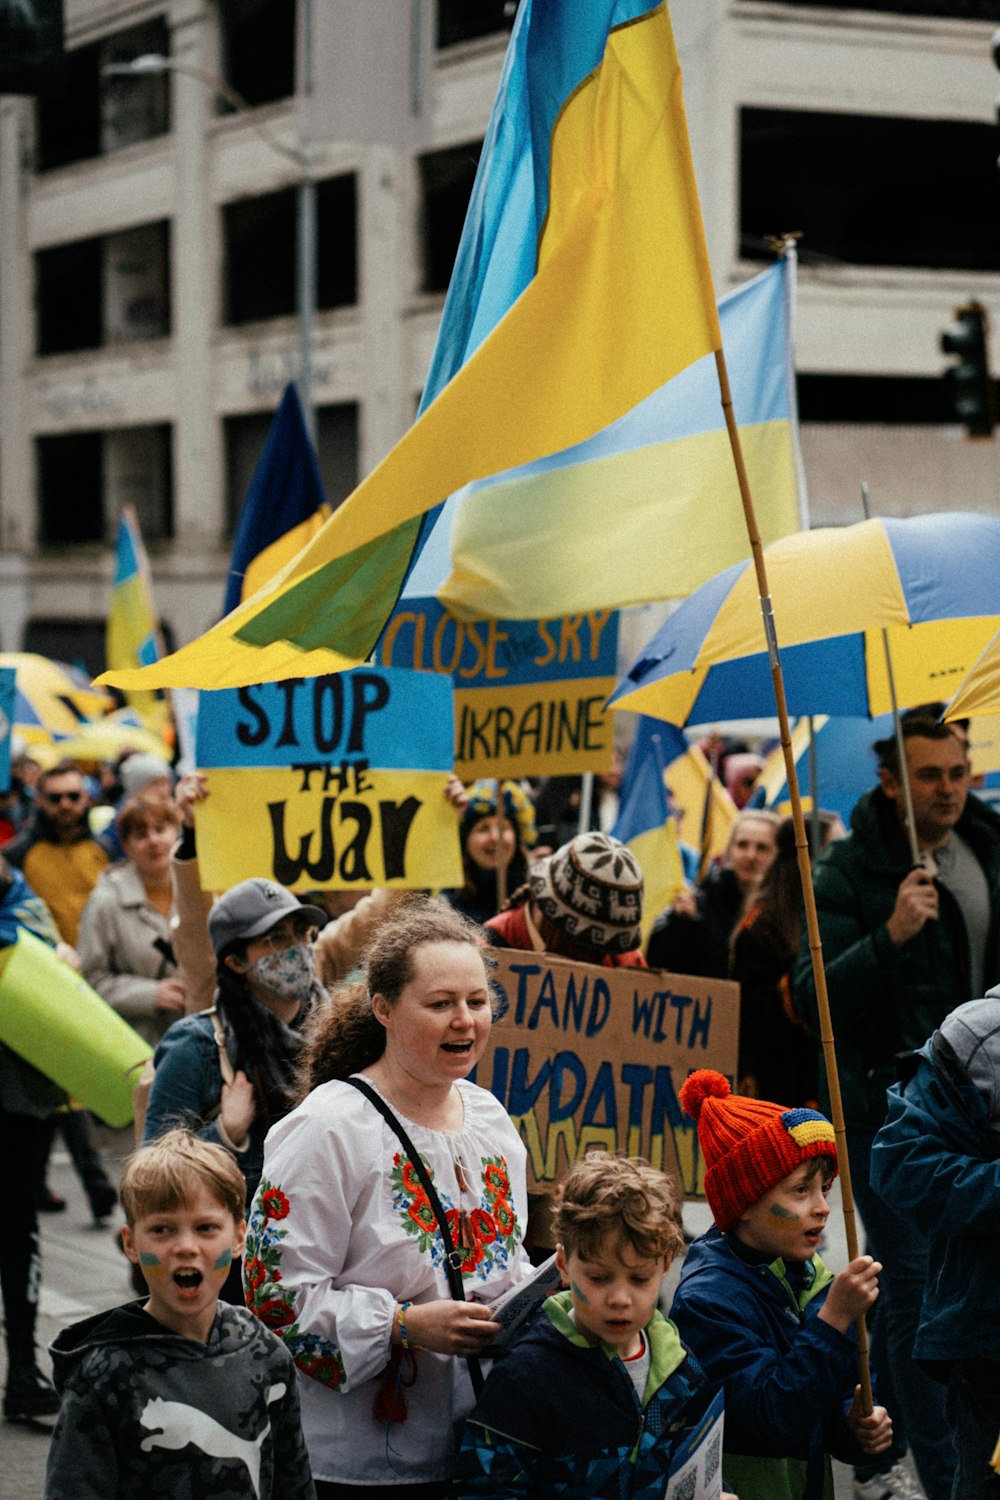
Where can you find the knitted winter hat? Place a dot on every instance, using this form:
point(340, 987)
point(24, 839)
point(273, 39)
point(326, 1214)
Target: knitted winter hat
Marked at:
point(518, 809)
point(749, 1145)
point(591, 889)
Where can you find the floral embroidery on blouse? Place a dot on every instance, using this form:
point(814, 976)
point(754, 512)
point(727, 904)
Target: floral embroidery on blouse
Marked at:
point(272, 1301)
point(487, 1235)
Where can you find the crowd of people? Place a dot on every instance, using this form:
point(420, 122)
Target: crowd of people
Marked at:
point(325, 1217)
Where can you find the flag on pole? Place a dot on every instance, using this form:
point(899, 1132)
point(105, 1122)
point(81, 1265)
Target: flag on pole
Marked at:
point(132, 638)
point(649, 508)
point(582, 285)
point(284, 508)
point(644, 821)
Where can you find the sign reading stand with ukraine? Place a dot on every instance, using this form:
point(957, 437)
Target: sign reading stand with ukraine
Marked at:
point(333, 783)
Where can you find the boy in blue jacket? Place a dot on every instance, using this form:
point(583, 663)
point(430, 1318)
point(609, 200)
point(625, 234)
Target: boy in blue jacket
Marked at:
point(937, 1158)
point(593, 1399)
point(758, 1307)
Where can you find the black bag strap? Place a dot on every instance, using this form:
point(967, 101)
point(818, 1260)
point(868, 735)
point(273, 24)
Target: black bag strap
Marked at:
point(452, 1255)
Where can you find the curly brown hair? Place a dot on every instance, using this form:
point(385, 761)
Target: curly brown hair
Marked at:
point(621, 1196)
point(346, 1035)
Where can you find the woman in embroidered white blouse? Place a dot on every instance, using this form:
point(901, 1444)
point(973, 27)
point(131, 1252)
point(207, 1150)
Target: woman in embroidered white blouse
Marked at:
point(344, 1258)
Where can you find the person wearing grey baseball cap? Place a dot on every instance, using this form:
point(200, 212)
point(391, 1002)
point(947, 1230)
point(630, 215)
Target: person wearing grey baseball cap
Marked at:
point(231, 1071)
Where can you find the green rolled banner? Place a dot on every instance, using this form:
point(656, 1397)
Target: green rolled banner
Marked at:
point(55, 1021)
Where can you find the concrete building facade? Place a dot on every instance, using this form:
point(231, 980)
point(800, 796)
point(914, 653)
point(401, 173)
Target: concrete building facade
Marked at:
point(147, 322)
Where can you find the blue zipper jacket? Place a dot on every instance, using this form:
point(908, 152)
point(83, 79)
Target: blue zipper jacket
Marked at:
point(789, 1377)
point(561, 1417)
point(937, 1159)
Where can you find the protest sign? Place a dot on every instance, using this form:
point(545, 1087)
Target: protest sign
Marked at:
point(8, 678)
point(586, 1057)
point(330, 783)
point(529, 694)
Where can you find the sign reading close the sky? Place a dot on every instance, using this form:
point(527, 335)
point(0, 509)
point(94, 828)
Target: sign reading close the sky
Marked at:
point(529, 694)
point(329, 783)
point(586, 1057)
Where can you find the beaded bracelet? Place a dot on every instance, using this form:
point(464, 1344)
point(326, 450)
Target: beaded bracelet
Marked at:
point(401, 1312)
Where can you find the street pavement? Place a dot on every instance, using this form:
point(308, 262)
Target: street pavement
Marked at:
point(83, 1272)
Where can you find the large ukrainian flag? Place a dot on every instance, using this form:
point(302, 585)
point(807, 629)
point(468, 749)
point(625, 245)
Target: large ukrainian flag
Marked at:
point(622, 518)
point(582, 284)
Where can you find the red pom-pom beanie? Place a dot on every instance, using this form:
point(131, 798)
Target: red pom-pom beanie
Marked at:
point(749, 1145)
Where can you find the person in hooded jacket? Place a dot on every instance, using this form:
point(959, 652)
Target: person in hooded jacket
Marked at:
point(937, 1160)
point(177, 1396)
point(492, 836)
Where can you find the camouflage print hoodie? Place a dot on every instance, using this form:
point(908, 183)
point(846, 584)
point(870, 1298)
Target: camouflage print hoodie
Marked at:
point(147, 1412)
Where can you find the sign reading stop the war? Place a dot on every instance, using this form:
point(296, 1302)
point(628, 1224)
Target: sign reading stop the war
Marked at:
point(329, 783)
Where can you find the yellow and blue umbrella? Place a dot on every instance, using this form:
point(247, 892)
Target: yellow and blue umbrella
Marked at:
point(930, 581)
point(51, 698)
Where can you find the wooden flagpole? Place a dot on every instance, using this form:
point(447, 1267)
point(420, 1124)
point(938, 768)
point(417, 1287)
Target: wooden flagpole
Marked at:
point(802, 852)
point(501, 855)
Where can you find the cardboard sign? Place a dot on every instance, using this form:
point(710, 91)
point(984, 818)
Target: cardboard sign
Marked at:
point(586, 1057)
point(329, 783)
point(529, 694)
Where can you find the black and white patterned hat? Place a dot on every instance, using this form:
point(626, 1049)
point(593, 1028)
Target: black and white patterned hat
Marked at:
point(591, 889)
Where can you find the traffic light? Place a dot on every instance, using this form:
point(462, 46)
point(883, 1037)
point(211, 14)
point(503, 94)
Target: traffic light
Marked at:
point(973, 397)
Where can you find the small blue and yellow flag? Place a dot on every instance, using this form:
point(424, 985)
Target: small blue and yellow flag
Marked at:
point(132, 639)
point(644, 821)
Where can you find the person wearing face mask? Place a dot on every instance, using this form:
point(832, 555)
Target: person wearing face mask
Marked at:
point(266, 990)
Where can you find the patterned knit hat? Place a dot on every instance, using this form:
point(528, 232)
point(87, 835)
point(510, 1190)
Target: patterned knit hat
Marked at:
point(749, 1145)
point(591, 889)
point(518, 809)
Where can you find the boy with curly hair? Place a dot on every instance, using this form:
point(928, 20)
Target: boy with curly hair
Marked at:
point(177, 1394)
point(594, 1398)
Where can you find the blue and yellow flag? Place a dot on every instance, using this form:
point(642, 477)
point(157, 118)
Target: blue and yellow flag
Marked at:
point(132, 638)
point(649, 508)
point(582, 284)
point(644, 821)
point(284, 507)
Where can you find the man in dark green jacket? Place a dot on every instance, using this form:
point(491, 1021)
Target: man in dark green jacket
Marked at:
point(903, 946)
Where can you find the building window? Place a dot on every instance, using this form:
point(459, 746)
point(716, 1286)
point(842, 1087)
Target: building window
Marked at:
point(446, 179)
point(888, 401)
point(84, 114)
point(245, 437)
point(69, 297)
point(111, 290)
point(70, 488)
point(258, 48)
point(81, 643)
point(259, 239)
point(84, 479)
point(870, 190)
point(138, 471)
point(458, 21)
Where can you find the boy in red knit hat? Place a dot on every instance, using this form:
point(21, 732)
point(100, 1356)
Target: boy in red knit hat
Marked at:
point(759, 1309)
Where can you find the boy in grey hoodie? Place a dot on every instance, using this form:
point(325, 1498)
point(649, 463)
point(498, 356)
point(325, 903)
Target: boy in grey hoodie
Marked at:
point(178, 1396)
